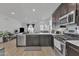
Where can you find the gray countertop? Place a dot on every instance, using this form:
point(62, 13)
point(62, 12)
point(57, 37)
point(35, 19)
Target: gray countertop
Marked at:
point(38, 33)
point(41, 34)
point(74, 42)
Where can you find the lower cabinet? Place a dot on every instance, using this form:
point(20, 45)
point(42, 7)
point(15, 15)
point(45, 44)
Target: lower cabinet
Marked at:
point(72, 50)
point(32, 40)
point(45, 40)
point(39, 40)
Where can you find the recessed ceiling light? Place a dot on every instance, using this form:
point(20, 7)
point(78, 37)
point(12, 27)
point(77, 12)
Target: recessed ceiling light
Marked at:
point(12, 13)
point(33, 10)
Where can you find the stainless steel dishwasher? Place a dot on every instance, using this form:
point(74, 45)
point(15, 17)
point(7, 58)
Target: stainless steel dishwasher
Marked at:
point(21, 40)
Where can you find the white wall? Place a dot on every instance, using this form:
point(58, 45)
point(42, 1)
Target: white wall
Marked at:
point(47, 21)
point(8, 24)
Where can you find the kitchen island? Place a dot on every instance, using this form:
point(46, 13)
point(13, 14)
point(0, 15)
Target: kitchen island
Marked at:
point(38, 39)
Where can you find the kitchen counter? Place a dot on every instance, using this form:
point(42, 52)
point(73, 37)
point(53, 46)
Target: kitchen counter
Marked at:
point(39, 39)
point(36, 39)
point(72, 48)
point(40, 34)
point(74, 42)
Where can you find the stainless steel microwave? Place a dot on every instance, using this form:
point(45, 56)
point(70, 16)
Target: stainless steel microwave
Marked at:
point(71, 17)
point(63, 20)
point(68, 18)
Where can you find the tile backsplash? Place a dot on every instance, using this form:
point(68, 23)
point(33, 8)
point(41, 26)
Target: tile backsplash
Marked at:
point(71, 28)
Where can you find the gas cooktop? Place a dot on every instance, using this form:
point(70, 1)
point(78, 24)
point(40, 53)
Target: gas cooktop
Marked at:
point(67, 37)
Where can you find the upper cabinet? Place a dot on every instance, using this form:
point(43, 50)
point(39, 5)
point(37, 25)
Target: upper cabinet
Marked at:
point(64, 9)
point(77, 5)
point(71, 7)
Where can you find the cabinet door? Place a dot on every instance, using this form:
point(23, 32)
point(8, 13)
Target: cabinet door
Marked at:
point(72, 50)
point(35, 40)
point(45, 40)
point(63, 8)
point(71, 7)
point(77, 6)
point(28, 40)
point(77, 14)
point(52, 41)
point(32, 40)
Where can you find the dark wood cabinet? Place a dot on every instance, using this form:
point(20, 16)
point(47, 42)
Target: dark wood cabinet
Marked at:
point(39, 40)
point(72, 50)
point(65, 8)
point(52, 41)
point(32, 40)
point(71, 7)
point(45, 40)
point(77, 7)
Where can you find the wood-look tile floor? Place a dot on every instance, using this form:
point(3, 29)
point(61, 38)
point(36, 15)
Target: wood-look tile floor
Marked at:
point(12, 50)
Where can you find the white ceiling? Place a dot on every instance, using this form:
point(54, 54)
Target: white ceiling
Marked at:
point(24, 13)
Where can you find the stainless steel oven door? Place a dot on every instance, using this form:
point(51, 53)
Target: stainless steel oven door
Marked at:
point(60, 46)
